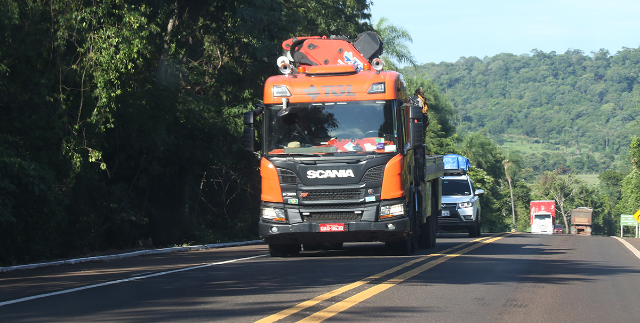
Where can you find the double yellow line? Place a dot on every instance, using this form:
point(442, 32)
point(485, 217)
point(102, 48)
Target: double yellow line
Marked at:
point(376, 289)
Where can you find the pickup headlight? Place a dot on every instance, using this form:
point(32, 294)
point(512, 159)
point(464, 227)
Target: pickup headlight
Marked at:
point(391, 211)
point(465, 205)
point(273, 215)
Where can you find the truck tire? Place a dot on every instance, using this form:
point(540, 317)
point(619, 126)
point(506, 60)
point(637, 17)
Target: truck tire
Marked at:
point(311, 246)
point(428, 231)
point(427, 235)
point(283, 250)
point(400, 248)
point(334, 246)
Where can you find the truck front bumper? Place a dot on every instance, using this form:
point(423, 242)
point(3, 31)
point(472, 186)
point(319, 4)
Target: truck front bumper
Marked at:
point(361, 231)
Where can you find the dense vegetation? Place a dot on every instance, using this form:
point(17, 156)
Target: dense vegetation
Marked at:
point(121, 120)
point(581, 108)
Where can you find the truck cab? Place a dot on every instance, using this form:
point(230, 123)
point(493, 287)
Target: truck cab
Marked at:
point(542, 223)
point(342, 155)
point(460, 200)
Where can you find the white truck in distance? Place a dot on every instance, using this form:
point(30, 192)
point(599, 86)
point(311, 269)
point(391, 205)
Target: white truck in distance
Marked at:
point(542, 223)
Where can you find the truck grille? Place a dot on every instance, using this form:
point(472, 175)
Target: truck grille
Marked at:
point(288, 177)
point(331, 216)
point(331, 206)
point(374, 174)
point(320, 195)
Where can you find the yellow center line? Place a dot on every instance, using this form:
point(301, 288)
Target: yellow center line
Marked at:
point(355, 299)
point(287, 312)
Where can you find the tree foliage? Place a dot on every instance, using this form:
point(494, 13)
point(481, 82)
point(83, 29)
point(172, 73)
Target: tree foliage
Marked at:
point(582, 107)
point(121, 120)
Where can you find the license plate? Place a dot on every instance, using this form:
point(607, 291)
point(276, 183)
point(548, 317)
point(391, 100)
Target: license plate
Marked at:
point(331, 227)
point(445, 213)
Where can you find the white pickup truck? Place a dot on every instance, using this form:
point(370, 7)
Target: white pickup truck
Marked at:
point(460, 201)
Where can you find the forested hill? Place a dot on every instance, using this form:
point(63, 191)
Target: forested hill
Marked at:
point(576, 104)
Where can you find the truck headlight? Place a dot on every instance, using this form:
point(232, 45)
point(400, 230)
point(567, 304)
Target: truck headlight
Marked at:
point(273, 214)
point(390, 211)
point(465, 205)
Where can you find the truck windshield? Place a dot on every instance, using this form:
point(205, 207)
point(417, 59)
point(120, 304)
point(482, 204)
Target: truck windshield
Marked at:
point(331, 127)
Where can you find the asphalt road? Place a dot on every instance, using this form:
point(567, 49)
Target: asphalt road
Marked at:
point(496, 278)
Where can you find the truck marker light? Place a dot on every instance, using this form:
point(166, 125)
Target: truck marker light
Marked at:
point(376, 88)
point(281, 91)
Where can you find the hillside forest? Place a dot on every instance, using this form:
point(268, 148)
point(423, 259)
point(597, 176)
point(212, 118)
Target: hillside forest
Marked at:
point(578, 110)
point(121, 121)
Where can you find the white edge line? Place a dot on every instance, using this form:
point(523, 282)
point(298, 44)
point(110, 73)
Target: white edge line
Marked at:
point(629, 246)
point(66, 291)
point(127, 255)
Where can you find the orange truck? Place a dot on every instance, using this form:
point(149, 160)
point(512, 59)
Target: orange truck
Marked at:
point(341, 151)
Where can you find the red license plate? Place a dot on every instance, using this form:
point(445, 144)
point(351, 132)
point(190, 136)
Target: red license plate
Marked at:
point(331, 227)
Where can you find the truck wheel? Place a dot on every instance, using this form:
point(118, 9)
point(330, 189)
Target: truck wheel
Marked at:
point(400, 248)
point(428, 233)
point(311, 246)
point(424, 239)
point(282, 250)
point(334, 246)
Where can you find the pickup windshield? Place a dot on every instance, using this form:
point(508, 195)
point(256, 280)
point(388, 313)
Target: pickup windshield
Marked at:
point(331, 128)
point(455, 187)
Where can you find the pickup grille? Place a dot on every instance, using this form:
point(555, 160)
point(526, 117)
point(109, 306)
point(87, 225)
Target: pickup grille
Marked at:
point(331, 216)
point(321, 195)
point(448, 219)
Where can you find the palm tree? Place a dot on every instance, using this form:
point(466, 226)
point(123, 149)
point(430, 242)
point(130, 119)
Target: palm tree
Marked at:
point(394, 40)
point(512, 164)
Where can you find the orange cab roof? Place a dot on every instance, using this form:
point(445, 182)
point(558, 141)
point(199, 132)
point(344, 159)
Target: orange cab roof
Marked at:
point(318, 87)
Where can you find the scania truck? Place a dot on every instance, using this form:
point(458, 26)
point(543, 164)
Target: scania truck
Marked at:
point(341, 150)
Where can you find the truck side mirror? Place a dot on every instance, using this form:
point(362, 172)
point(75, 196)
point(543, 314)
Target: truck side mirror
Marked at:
point(416, 128)
point(248, 135)
point(479, 192)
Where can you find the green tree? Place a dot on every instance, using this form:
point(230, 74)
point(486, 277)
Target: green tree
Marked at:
point(512, 166)
point(394, 39)
point(630, 192)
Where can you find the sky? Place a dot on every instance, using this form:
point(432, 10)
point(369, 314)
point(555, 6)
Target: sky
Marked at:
point(447, 30)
